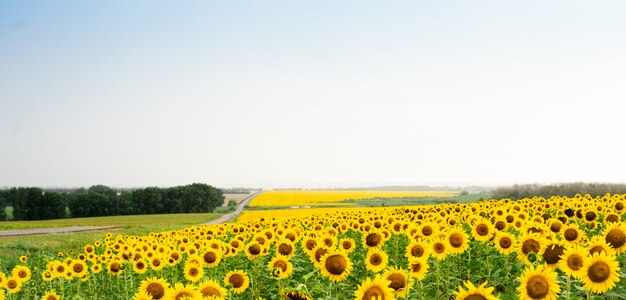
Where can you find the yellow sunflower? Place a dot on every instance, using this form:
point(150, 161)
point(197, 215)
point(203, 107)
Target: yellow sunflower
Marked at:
point(142, 296)
point(13, 285)
point(376, 260)
point(470, 291)
point(181, 291)
point(285, 247)
point(3, 280)
point(155, 287)
point(553, 253)
point(79, 268)
point(280, 266)
point(538, 283)
point(253, 250)
point(505, 242)
point(193, 272)
point(372, 239)
point(439, 249)
point(482, 230)
point(418, 267)
point(335, 265)
point(530, 243)
point(599, 272)
point(457, 240)
point(211, 288)
point(51, 295)
point(598, 245)
point(615, 236)
point(572, 234)
point(378, 289)
point(418, 249)
point(211, 258)
point(21, 273)
point(347, 245)
point(238, 280)
point(398, 281)
point(572, 260)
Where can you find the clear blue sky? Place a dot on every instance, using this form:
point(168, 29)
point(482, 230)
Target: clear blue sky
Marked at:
point(311, 93)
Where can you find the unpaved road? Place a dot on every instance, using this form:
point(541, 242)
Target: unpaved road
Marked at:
point(230, 216)
point(19, 232)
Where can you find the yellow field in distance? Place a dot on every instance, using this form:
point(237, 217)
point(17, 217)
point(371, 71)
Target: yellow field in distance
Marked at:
point(333, 197)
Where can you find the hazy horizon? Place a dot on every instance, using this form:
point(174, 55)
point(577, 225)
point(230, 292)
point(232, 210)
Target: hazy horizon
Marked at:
point(311, 94)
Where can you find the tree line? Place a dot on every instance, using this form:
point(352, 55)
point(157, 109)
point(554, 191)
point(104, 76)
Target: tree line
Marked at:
point(517, 191)
point(32, 203)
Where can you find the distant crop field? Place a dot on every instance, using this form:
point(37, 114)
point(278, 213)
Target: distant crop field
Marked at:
point(134, 220)
point(236, 197)
point(333, 197)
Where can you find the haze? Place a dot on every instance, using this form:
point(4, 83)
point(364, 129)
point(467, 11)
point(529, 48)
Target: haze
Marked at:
point(311, 93)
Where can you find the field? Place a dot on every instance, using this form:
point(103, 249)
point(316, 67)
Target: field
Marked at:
point(288, 198)
point(556, 248)
point(236, 197)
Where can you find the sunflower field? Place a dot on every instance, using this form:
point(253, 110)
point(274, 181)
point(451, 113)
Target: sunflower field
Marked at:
point(556, 248)
point(333, 197)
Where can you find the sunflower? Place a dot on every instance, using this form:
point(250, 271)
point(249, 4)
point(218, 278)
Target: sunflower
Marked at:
point(45, 276)
point(3, 280)
point(285, 247)
point(96, 268)
point(372, 239)
point(280, 266)
point(193, 271)
point(308, 244)
point(553, 253)
point(376, 260)
point(212, 257)
point(329, 240)
point(599, 272)
point(139, 266)
point(418, 267)
point(23, 259)
point(598, 244)
point(211, 288)
point(115, 268)
point(398, 281)
point(482, 230)
point(428, 230)
point(417, 249)
point(378, 289)
point(529, 243)
point(538, 283)
point(504, 242)
point(21, 273)
point(142, 296)
point(457, 240)
point(253, 250)
point(335, 265)
point(2, 297)
point(615, 236)
point(155, 287)
point(472, 292)
point(347, 245)
point(238, 280)
point(13, 285)
point(572, 234)
point(572, 260)
point(317, 254)
point(181, 291)
point(51, 295)
point(297, 295)
point(439, 249)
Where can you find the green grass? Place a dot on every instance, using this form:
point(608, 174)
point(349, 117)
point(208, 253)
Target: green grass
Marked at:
point(11, 248)
point(136, 220)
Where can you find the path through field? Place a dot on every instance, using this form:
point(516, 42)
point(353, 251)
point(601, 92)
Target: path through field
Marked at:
point(230, 216)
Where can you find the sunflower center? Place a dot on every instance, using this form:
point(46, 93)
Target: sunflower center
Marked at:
point(439, 248)
point(619, 205)
point(575, 262)
point(537, 287)
point(553, 253)
point(482, 229)
point(290, 236)
point(183, 294)
point(376, 259)
point(78, 268)
point(310, 244)
point(571, 234)
point(416, 267)
point(475, 297)
point(156, 262)
point(155, 290)
point(397, 281)
point(374, 292)
point(417, 251)
point(285, 249)
point(193, 272)
point(328, 242)
point(210, 257)
point(11, 284)
point(530, 246)
point(23, 274)
point(599, 272)
point(590, 216)
point(505, 242)
point(346, 245)
point(456, 240)
point(372, 240)
point(281, 264)
point(236, 280)
point(427, 231)
point(616, 238)
point(336, 264)
point(255, 249)
point(319, 253)
point(596, 249)
point(210, 291)
point(555, 227)
point(115, 267)
point(500, 225)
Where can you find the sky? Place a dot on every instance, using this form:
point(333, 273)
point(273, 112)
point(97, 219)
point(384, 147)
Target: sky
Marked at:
point(311, 94)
